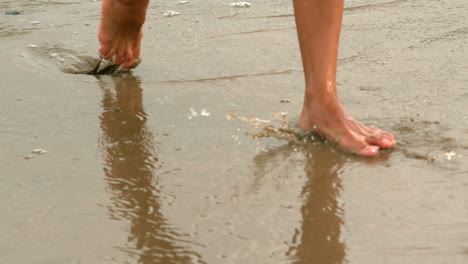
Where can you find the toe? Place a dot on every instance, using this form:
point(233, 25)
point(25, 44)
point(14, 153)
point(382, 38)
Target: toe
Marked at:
point(388, 137)
point(109, 54)
point(137, 47)
point(376, 136)
point(379, 141)
point(119, 57)
point(358, 145)
point(368, 151)
point(103, 50)
point(127, 63)
point(136, 52)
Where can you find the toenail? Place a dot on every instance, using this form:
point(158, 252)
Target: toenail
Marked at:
point(386, 142)
point(372, 149)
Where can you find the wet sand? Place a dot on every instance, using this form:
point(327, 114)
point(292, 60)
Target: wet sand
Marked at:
point(145, 167)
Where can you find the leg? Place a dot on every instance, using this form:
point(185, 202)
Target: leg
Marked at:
point(318, 26)
point(120, 30)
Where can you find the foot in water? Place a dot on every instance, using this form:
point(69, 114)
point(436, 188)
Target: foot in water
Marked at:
point(319, 27)
point(120, 30)
point(324, 114)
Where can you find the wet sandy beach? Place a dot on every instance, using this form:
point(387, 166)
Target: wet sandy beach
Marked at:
point(145, 167)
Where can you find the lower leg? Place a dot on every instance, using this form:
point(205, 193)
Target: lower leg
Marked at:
point(120, 30)
point(318, 26)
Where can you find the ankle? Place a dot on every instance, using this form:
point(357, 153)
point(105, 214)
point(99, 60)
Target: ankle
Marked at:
point(134, 2)
point(321, 99)
point(320, 89)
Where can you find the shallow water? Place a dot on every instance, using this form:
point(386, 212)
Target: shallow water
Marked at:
point(134, 172)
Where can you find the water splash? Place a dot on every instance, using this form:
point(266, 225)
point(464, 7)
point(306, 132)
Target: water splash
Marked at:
point(278, 127)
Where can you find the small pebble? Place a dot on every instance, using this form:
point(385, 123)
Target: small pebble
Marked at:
point(204, 112)
point(240, 4)
point(12, 12)
point(32, 46)
point(35, 23)
point(171, 13)
point(28, 157)
point(39, 151)
point(449, 155)
point(182, 2)
point(193, 112)
point(285, 100)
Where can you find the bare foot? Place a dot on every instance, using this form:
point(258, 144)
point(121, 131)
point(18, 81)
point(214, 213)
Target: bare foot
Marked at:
point(120, 31)
point(324, 114)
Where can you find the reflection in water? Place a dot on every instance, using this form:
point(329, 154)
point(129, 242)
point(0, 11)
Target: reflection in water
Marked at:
point(322, 216)
point(129, 164)
point(318, 240)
